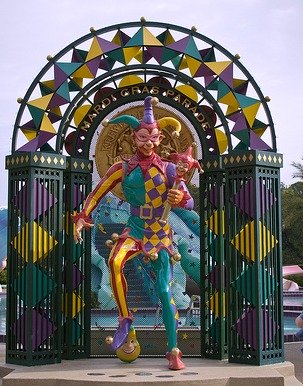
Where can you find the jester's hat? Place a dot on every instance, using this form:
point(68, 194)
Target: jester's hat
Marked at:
point(148, 121)
point(186, 157)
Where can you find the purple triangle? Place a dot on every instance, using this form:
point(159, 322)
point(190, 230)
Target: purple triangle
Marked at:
point(42, 327)
point(246, 327)
point(242, 88)
point(43, 199)
point(78, 196)
point(244, 199)
point(215, 278)
point(36, 143)
point(123, 37)
point(240, 124)
point(213, 196)
point(93, 65)
point(106, 45)
point(77, 275)
point(256, 143)
point(180, 45)
point(103, 65)
point(227, 75)
point(29, 125)
point(60, 76)
point(156, 52)
point(208, 80)
point(203, 70)
point(146, 56)
point(56, 101)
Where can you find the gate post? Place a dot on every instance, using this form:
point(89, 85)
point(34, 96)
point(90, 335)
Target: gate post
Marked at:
point(33, 331)
point(77, 263)
point(254, 258)
point(213, 267)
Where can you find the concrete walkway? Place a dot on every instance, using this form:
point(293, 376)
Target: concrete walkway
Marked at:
point(153, 371)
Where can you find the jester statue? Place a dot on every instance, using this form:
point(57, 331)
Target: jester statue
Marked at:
point(148, 185)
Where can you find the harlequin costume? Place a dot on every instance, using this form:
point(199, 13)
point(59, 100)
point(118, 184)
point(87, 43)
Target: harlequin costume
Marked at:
point(145, 183)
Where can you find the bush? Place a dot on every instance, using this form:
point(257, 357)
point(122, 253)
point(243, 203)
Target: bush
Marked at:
point(3, 276)
point(296, 278)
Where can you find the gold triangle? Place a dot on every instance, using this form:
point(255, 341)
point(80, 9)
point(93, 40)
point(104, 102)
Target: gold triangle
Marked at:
point(149, 39)
point(95, 50)
point(218, 67)
point(83, 72)
point(46, 125)
point(193, 64)
point(250, 113)
point(42, 102)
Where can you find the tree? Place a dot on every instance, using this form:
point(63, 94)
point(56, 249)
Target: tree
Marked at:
point(292, 214)
point(299, 172)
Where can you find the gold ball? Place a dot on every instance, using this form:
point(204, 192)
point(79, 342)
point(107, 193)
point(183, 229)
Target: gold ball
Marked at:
point(142, 19)
point(92, 29)
point(237, 56)
point(194, 28)
point(49, 57)
point(267, 98)
point(175, 351)
point(177, 256)
point(109, 243)
point(154, 101)
point(109, 339)
point(115, 236)
point(105, 122)
point(154, 256)
point(19, 100)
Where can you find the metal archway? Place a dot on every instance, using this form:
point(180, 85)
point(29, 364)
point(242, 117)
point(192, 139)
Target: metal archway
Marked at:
point(50, 174)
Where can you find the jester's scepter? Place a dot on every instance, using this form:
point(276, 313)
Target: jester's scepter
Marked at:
point(184, 163)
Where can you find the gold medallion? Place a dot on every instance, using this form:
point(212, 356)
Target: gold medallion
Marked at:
point(115, 141)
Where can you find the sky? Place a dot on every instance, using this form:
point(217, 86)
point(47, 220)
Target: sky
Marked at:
point(266, 34)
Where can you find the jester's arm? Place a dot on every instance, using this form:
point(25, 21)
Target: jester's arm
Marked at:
point(111, 178)
point(181, 194)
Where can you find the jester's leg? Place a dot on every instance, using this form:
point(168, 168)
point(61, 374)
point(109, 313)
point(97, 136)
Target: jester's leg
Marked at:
point(163, 270)
point(122, 251)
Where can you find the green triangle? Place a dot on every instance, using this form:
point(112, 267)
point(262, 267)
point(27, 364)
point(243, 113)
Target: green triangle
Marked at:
point(63, 91)
point(246, 284)
point(176, 61)
point(77, 331)
point(223, 89)
point(136, 40)
point(243, 135)
point(73, 86)
point(241, 146)
point(245, 101)
point(210, 56)
point(42, 285)
point(117, 55)
point(213, 85)
point(258, 124)
point(214, 249)
point(37, 114)
point(169, 55)
point(68, 68)
point(162, 37)
point(44, 89)
point(192, 50)
point(81, 53)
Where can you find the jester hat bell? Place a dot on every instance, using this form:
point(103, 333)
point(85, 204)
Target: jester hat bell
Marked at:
point(148, 121)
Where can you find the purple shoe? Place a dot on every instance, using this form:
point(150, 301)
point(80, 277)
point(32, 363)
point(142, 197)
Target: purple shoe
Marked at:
point(121, 333)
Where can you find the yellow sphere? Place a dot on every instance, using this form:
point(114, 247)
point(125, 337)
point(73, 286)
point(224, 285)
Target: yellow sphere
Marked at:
point(131, 349)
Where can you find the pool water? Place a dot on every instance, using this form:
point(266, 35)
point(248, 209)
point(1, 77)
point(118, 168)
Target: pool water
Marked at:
point(154, 320)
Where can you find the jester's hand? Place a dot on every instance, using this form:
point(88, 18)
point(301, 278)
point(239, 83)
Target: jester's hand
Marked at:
point(174, 196)
point(80, 224)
